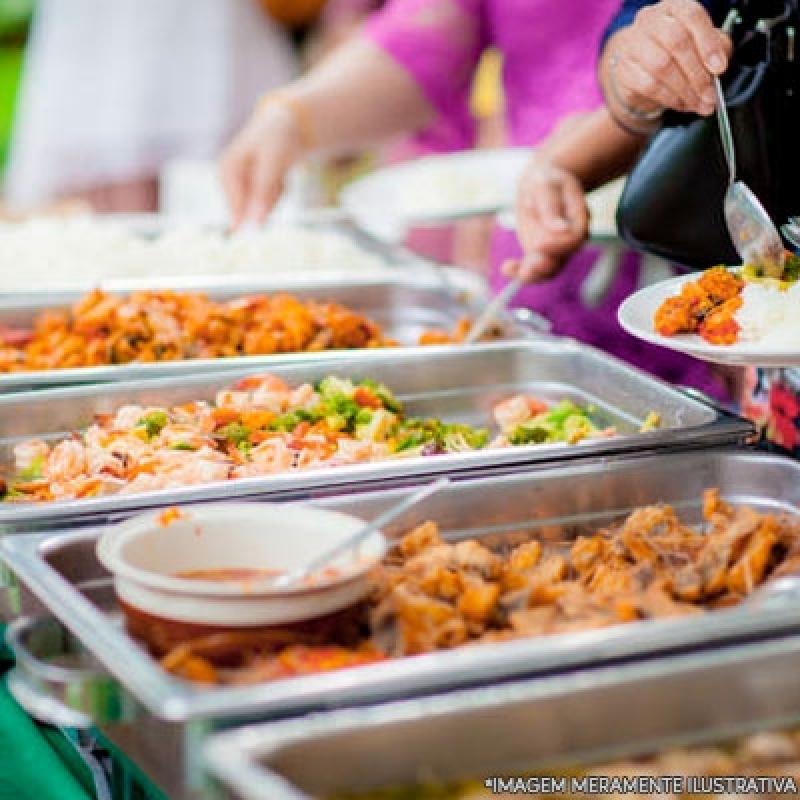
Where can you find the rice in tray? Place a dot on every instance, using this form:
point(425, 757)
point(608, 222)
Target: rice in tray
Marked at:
point(770, 316)
point(84, 250)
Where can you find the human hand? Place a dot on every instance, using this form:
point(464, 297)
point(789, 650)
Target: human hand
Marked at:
point(666, 60)
point(254, 166)
point(552, 221)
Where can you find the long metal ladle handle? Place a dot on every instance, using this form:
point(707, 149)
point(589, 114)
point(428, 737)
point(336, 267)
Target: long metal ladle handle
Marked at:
point(725, 133)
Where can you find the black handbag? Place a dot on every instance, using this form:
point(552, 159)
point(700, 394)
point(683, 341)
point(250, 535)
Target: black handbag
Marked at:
point(672, 202)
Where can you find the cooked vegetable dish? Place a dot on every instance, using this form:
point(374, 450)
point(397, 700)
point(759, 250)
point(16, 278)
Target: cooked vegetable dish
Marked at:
point(262, 426)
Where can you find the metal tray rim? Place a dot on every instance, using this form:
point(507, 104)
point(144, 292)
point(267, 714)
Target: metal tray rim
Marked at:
point(721, 426)
point(162, 694)
point(55, 298)
point(232, 755)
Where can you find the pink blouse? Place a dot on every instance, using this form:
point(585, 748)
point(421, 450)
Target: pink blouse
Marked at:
point(550, 55)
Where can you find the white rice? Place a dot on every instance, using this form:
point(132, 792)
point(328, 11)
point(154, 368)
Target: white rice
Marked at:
point(770, 317)
point(84, 250)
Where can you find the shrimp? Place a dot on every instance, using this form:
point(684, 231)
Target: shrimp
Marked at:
point(238, 401)
point(512, 412)
point(173, 435)
point(350, 451)
point(302, 397)
point(274, 455)
point(66, 460)
point(28, 454)
point(127, 417)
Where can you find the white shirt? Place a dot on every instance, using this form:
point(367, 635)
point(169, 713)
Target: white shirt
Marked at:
point(113, 89)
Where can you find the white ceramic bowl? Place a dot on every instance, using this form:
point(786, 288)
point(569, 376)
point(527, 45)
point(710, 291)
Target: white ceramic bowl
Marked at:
point(145, 554)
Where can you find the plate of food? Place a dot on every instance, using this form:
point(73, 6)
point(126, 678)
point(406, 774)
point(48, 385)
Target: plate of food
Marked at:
point(435, 190)
point(724, 315)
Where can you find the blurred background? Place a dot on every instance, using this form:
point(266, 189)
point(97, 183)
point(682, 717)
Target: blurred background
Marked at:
point(15, 17)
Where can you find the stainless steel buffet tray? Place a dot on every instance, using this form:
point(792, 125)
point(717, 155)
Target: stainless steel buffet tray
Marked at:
point(59, 572)
point(517, 729)
point(457, 384)
point(405, 303)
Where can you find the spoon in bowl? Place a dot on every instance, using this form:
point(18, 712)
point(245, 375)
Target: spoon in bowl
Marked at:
point(300, 574)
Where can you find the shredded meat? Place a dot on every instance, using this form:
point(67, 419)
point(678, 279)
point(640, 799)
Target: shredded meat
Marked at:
point(433, 595)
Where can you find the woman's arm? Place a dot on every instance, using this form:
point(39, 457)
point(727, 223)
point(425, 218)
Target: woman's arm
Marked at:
point(357, 96)
point(414, 61)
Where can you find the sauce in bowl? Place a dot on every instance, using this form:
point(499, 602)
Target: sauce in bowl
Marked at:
point(232, 574)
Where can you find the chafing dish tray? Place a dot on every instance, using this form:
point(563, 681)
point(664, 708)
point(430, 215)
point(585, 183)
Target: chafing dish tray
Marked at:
point(404, 304)
point(519, 729)
point(455, 384)
point(59, 572)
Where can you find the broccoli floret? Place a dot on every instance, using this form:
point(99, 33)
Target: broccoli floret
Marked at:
point(154, 423)
point(339, 411)
point(791, 267)
point(364, 416)
point(235, 432)
point(288, 422)
point(411, 440)
point(460, 438)
point(529, 434)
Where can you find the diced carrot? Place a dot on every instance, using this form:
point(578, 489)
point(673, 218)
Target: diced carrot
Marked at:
point(366, 398)
point(224, 416)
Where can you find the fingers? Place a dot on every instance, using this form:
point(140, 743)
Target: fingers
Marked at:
point(712, 44)
point(534, 268)
point(552, 220)
point(254, 167)
point(267, 181)
point(666, 59)
point(234, 171)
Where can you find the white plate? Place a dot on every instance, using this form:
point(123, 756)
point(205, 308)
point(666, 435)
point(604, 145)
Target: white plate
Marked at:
point(435, 190)
point(636, 317)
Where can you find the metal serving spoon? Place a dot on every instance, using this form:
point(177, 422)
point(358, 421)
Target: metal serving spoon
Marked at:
point(487, 317)
point(754, 236)
point(299, 574)
point(792, 232)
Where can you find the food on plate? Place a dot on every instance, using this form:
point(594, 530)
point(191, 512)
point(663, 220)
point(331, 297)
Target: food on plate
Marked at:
point(726, 308)
point(765, 764)
point(262, 426)
point(83, 250)
point(103, 329)
point(705, 306)
point(430, 594)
